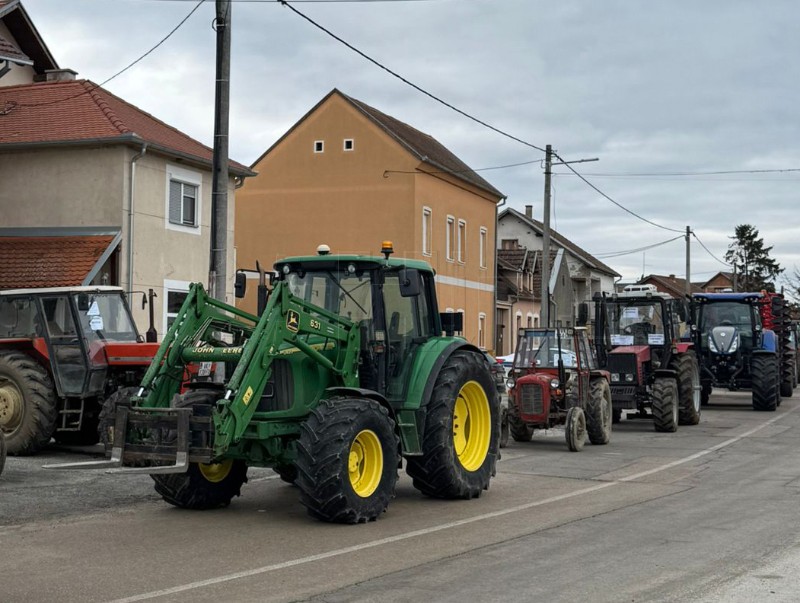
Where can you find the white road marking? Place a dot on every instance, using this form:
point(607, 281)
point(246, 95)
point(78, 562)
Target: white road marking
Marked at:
point(446, 526)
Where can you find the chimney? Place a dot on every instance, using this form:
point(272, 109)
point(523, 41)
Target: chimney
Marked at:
point(672, 276)
point(529, 211)
point(60, 75)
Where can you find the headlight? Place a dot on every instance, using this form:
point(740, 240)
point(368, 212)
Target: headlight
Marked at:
point(615, 377)
point(711, 345)
point(554, 383)
point(734, 345)
point(510, 383)
point(629, 377)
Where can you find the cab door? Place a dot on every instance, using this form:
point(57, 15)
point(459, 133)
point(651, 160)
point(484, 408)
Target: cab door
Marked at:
point(68, 355)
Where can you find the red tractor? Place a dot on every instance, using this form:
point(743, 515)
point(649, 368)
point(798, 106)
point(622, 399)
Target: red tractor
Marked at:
point(555, 380)
point(62, 352)
point(641, 339)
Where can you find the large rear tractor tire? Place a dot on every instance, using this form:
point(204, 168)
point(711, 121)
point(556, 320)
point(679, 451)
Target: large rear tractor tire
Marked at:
point(462, 431)
point(764, 374)
point(665, 404)
point(105, 423)
point(575, 429)
point(787, 388)
point(599, 412)
point(28, 407)
point(203, 486)
point(347, 458)
point(689, 389)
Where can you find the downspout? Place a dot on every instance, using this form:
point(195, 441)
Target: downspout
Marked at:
point(494, 297)
point(131, 188)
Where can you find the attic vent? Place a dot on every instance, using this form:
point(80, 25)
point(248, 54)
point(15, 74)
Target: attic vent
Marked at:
point(319, 146)
point(348, 144)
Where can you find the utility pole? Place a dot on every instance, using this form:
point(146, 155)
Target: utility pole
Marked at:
point(545, 310)
point(688, 262)
point(548, 165)
point(218, 275)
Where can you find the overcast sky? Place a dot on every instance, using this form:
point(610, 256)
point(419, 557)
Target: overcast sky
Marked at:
point(654, 88)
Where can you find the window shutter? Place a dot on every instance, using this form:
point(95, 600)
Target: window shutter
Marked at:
point(174, 202)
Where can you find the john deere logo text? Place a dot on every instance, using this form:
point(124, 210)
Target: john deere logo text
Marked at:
point(293, 321)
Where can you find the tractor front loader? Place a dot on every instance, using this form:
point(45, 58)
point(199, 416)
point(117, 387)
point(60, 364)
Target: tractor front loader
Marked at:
point(344, 372)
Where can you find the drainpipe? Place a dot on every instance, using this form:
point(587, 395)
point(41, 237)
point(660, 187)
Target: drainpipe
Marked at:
point(131, 187)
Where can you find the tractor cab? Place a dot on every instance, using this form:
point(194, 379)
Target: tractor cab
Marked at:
point(70, 328)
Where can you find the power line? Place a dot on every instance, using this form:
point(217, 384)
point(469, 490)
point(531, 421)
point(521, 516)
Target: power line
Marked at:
point(613, 254)
point(467, 115)
point(496, 167)
point(694, 234)
point(680, 174)
point(622, 207)
point(121, 71)
point(406, 81)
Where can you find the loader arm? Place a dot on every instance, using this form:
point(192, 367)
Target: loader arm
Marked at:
point(286, 320)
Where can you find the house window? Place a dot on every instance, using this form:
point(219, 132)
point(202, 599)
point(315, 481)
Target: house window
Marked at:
point(175, 293)
point(450, 237)
point(348, 144)
point(462, 241)
point(183, 203)
point(483, 246)
point(183, 209)
point(319, 146)
point(427, 231)
point(481, 330)
point(530, 320)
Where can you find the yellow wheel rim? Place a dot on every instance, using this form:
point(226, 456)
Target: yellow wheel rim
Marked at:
point(365, 463)
point(12, 405)
point(216, 472)
point(472, 426)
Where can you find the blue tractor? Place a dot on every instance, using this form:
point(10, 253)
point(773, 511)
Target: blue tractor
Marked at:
point(742, 344)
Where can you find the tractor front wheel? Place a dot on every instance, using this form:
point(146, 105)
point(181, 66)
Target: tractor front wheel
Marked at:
point(347, 458)
point(764, 374)
point(689, 388)
point(28, 409)
point(575, 430)
point(599, 412)
point(705, 393)
point(203, 486)
point(665, 404)
point(462, 431)
point(519, 429)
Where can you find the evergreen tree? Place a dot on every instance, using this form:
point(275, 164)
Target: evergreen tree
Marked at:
point(754, 268)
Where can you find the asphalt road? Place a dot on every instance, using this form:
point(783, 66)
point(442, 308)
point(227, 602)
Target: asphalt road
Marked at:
point(707, 514)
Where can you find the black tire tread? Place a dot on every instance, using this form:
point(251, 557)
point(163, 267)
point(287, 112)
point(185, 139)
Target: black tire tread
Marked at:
point(41, 405)
point(763, 373)
point(665, 397)
point(599, 412)
point(438, 472)
point(685, 367)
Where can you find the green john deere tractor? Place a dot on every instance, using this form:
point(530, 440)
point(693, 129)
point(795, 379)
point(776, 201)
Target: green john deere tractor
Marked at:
point(343, 372)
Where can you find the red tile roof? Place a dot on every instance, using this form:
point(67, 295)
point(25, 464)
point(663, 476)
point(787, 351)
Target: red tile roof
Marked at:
point(80, 111)
point(8, 51)
point(49, 261)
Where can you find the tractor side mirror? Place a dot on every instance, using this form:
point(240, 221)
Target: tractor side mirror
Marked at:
point(83, 302)
point(240, 285)
point(583, 314)
point(409, 282)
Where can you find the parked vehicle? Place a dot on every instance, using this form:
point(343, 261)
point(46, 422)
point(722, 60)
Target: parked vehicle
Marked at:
point(744, 341)
point(62, 352)
point(2, 451)
point(345, 371)
point(654, 372)
point(555, 380)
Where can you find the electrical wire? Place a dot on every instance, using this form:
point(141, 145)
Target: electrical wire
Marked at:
point(613, 254)
point(680, 174)
point(406, 81)
point(121, 71)
point(694, 234)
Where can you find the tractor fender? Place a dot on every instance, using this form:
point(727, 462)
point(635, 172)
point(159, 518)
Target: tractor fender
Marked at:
point(683, 346)
point(428, 362)
point(768, 341)
point(358, 392)
point(666, 373)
